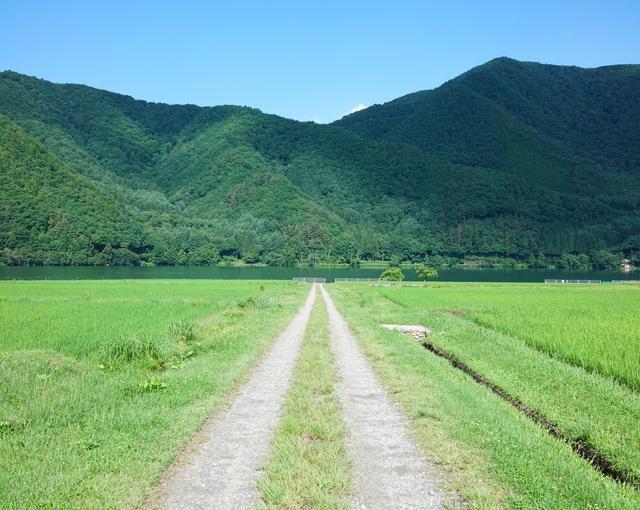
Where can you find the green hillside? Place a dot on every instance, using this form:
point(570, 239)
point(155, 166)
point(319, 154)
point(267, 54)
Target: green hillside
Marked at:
point(556, 126)
point(50, 214)
point(510, 159)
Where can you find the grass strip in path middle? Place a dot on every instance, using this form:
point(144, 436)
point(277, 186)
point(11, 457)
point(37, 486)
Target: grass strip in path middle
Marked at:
point(308, 466)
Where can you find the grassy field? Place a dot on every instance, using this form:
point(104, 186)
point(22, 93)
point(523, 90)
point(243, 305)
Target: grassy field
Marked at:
point(592, 326)
point(491, 453)
point(102, 382)
point(308, 466)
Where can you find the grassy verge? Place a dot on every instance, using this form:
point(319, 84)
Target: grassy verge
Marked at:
point(308, 467)
point(107, 380)
point(488, 451)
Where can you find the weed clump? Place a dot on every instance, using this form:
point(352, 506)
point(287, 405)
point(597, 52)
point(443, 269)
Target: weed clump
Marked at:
point(11, 424)
point(257, 303)
point(184, 332)
point(151, 384)
point(130, 348)
point(250, 302)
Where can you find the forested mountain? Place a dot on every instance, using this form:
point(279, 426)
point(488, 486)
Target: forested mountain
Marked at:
point(555, 126)
point(511, 159)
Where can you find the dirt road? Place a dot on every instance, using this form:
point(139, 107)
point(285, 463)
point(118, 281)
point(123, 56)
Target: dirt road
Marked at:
point(389, 471)
point(221, 466)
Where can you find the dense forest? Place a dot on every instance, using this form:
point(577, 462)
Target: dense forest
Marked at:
point(511, 162)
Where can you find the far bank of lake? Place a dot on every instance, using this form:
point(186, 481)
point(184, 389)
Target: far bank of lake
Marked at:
point(287, 273)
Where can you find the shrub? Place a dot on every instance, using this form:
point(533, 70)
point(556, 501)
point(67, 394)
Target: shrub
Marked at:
point(393, 274)
point(424, 272)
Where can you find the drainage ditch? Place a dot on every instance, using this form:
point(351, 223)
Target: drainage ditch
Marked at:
point(579, 446)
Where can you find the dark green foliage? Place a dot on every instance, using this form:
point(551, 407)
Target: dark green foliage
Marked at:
point(512, 161)
point(603, 259)
point(51, 215)
point(542, 122)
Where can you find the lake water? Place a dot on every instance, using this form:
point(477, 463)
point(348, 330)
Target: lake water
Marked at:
point(287, 273)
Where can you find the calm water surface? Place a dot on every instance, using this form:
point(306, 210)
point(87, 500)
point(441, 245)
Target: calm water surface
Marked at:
point(287, 273)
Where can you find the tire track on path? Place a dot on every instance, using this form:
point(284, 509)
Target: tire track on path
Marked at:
point(221, 467)
point(388, 469)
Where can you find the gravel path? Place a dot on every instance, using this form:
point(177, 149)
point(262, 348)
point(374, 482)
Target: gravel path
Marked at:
point(221, 467)
point(389, 471)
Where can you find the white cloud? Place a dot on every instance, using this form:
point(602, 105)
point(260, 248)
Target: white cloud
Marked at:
point(357, 108)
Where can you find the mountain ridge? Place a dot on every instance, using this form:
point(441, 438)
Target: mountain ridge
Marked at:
point(485, 165)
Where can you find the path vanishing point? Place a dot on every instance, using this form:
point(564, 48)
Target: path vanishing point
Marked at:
point(221, 468)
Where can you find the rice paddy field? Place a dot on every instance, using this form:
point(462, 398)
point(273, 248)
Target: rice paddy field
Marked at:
point(566, 355)
point(102, 382)
point(596, 327)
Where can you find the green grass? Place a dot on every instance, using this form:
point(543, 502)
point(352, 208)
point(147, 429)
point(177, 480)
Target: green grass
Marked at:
point(84, 318)
point(595, 327)
point(308, 467)
point(101, 383)
point(489, 452)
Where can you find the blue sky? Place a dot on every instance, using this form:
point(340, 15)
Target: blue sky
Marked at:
point(303, 60)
